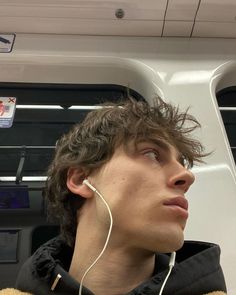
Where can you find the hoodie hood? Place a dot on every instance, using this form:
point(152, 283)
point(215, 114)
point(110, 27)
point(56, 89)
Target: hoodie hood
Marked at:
point(197, 271)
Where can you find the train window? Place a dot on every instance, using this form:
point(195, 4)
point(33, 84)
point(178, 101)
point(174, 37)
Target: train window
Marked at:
point(227, 104)
point(43, 113)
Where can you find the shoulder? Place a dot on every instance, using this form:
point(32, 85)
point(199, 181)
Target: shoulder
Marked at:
point(37, 271)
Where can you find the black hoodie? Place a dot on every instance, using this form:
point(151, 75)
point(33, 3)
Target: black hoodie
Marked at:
point(197, 271)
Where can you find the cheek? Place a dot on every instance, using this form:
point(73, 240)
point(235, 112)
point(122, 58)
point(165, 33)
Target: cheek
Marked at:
point(119, 176)
point(124, 188)
point(129, 189)
point(135, 197)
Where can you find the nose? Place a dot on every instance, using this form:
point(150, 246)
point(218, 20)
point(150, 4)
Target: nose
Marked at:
point(181, 178)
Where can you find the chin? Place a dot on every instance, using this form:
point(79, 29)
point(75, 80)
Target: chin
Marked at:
point(176, 245)
point(176, 240)
point(170, 242)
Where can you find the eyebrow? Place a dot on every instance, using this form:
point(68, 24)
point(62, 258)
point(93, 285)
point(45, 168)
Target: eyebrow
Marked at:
point(160, 143)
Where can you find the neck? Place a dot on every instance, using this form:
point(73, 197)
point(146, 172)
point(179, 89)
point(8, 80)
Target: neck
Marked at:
point(118, 271)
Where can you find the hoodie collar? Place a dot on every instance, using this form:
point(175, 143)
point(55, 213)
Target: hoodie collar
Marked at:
point(195, 261)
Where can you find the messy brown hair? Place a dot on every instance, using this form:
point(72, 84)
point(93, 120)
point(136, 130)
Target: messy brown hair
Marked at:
point(91, 143)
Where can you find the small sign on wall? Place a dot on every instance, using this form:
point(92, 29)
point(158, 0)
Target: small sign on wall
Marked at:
point(7, 111)
point(6, 42)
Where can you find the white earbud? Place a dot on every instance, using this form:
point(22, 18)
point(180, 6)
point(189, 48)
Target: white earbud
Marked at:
point(86, 182)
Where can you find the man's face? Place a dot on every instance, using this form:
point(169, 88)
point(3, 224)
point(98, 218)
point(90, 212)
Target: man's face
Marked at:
point(145, 191)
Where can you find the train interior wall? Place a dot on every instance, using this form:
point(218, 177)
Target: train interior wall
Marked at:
point(185, 72)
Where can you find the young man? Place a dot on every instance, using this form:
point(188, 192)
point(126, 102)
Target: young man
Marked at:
point(128, 162)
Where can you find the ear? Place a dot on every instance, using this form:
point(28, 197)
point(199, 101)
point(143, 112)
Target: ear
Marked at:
point(75, 184)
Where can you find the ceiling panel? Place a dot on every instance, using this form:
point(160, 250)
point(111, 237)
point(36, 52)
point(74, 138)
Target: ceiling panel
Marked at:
point(211, 18)
point(82, 27)
point(181, 10)
point(96, 17)
point(217, 10)
point(177, 29)
point(96, 9)
point(214, 29)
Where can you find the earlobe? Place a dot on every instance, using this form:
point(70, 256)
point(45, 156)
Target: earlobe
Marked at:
point(75, 183)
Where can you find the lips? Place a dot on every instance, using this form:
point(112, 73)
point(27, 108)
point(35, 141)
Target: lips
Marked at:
point(177, 201)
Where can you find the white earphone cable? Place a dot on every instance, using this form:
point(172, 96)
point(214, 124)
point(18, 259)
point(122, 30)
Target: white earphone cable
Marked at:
point(108, 235)
point(172, 257)
point(171, 265)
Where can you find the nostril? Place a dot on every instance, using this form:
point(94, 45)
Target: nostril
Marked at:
point(180, 182)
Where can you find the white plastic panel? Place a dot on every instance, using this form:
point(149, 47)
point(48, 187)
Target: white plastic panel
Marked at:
point(217, 10)
point(82, 27)
point(95, 17)
point(96, 9)
point(177, 29)
point(98, 17)
point(217, 214)
point(181, 10)
point(214, 29)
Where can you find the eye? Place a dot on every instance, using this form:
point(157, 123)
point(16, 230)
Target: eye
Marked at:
point(152, 154)
point(184, 161)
